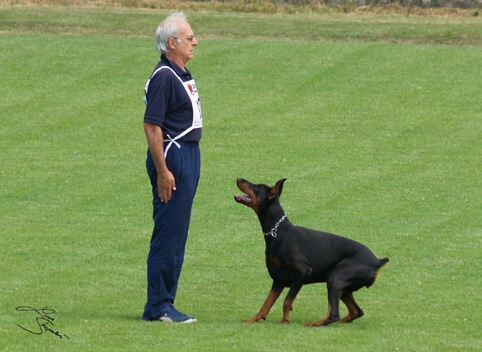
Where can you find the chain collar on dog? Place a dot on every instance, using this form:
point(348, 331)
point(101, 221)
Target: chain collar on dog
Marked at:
point(274, 231)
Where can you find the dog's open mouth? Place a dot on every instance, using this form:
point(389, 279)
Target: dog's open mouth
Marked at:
point(241, 198)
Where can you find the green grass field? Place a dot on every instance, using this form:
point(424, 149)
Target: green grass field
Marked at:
point(377, 126)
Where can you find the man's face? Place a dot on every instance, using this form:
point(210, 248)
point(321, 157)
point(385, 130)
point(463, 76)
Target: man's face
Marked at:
point(184, 44)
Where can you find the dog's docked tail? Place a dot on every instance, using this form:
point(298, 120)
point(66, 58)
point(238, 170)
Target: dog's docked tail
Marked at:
point(381, 263)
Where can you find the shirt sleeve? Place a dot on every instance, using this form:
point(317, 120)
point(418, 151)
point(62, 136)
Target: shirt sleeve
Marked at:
point(158, 98)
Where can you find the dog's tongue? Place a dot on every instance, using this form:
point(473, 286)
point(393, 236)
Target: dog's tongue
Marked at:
point(242, 198)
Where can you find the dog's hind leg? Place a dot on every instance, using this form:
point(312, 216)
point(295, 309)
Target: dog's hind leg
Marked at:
point(320, 322)
point(272, 297)
point(333, 314)
point(354, 311)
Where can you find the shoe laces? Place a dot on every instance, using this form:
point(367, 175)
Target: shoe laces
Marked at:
point(174, 312)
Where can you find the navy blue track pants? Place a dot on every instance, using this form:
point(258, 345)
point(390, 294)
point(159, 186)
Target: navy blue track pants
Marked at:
point(171, 225)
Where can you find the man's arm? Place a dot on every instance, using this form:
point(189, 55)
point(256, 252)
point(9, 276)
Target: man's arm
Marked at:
point(165, 179)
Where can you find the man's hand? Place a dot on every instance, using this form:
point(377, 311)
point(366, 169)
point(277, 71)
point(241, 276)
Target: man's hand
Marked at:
point(165, 185)
point(166, 182)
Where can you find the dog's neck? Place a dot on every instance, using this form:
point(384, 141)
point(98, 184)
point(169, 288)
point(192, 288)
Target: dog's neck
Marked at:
point(272, 219)
point(274, 231)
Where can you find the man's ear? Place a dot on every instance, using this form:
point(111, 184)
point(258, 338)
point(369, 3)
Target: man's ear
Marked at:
point(276, 189)
point(171, 43)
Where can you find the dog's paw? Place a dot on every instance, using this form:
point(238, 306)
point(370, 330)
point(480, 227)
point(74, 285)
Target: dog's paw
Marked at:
point(313, 324)
point(253, 320)
point(249, 321)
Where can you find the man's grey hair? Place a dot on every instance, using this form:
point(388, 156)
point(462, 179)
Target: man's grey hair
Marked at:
point(168, 29)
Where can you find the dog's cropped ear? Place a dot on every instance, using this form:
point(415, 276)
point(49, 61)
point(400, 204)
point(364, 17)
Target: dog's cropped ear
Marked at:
point(277, 189)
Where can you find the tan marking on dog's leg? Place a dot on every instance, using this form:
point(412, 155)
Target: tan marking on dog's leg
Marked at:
point(352, 314)
point(354, 311)
point(263, 312)
point(287, 308)
point(320, 322)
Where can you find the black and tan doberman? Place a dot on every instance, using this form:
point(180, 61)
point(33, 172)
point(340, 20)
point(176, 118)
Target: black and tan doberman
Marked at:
point(296, 256)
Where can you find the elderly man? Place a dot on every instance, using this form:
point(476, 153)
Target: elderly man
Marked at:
point(173, 127)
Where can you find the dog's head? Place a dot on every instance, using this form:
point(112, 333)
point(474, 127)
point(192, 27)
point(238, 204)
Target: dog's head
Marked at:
point(258, 197)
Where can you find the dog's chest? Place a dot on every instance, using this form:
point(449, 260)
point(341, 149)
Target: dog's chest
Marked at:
point(277, 264)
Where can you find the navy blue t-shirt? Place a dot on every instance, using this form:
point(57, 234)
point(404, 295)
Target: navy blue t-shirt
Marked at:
point(168, 104)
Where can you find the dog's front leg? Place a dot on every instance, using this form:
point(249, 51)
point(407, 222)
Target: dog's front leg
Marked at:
point(290, 298)
point(272, 297)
